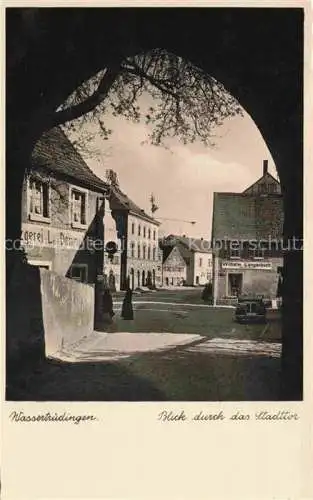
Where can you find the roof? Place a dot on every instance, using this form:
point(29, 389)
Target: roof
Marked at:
point(239, 216)
point(192, 244)
point(266, 179)
point(55, 153)
point(171, 252)
point(120, 201)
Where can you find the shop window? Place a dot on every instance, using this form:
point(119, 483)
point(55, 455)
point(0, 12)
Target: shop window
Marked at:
point(79, 272)
point(78, 205)
point(38, 200)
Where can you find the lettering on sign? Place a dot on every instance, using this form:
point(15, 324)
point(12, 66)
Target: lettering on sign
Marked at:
point(247, 265)
point(34, 235)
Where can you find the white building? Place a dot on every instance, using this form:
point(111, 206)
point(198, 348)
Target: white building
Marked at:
point(197, 255)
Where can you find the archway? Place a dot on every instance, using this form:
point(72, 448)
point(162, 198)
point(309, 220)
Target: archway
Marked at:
point(37, 62)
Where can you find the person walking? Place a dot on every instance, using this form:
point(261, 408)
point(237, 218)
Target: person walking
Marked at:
point(127, 307)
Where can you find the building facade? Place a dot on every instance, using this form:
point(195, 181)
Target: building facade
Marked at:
point(174, 268)
point(63, 204)
point(197, 255)
point(247, 234)
point(138, 234)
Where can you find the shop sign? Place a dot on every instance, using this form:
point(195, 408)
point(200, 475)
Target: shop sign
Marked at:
point(242, 265)
point(34, 235)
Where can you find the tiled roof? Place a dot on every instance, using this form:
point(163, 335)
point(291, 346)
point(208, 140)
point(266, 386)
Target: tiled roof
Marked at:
point(189, 243)
point(120, 201)
point(238, 216)
point(54, 152)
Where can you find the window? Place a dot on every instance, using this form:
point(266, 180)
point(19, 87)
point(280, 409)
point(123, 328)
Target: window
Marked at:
point(132, 249)
point(78, 202)
point(144, 252)
point(144, 231)
point(256, 253)
point(200, 262)
point(138, 252)
point(79, 272)
point(154, 234)
point(133, 228)
point(139, 230)
point(272, 188)
point(149, 253)
point(234, 250)
point(38, 200)
point(153, 253)
point(149, 233)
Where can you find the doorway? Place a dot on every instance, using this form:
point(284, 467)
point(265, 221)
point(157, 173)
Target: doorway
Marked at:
point(234, 284)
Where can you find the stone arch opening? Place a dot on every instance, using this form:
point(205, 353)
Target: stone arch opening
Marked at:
point(38, 62)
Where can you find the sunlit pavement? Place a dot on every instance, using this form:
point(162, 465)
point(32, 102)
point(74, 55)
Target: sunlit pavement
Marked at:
point(169, 352)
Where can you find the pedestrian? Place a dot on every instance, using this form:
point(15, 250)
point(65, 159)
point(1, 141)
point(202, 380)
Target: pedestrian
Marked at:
point(107, 308)
point(207, 292)
point(127, 307)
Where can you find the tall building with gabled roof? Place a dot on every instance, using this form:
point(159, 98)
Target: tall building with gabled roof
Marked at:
point(247, 236)
point(138, 234)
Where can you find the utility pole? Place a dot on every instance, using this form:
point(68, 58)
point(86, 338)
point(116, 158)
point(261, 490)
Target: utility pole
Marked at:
point(216, 276)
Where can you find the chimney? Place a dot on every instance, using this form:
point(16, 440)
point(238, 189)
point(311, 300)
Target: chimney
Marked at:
point(265, 167)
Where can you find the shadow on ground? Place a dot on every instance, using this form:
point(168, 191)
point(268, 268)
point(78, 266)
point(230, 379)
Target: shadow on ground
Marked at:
point(174, 375)
point(57, 381)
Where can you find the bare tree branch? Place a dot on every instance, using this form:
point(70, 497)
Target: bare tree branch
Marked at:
point(84, 107)
point(187, 103)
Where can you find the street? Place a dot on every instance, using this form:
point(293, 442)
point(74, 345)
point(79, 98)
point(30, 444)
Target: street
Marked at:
point(183, 311)
point(223, 361)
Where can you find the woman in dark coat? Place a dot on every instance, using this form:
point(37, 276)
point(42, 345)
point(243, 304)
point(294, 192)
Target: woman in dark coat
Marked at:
point(127, 307)
point(207, 292)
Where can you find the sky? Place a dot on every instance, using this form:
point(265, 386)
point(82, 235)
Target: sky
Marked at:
point(183, 178)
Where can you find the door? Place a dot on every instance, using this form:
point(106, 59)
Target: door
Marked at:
point(234, 284)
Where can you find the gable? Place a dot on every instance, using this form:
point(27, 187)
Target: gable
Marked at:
point(175, 258)
point(267, 184)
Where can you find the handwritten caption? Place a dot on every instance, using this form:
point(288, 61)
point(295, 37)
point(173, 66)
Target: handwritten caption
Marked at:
point(48, 417)
point(237, 416)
